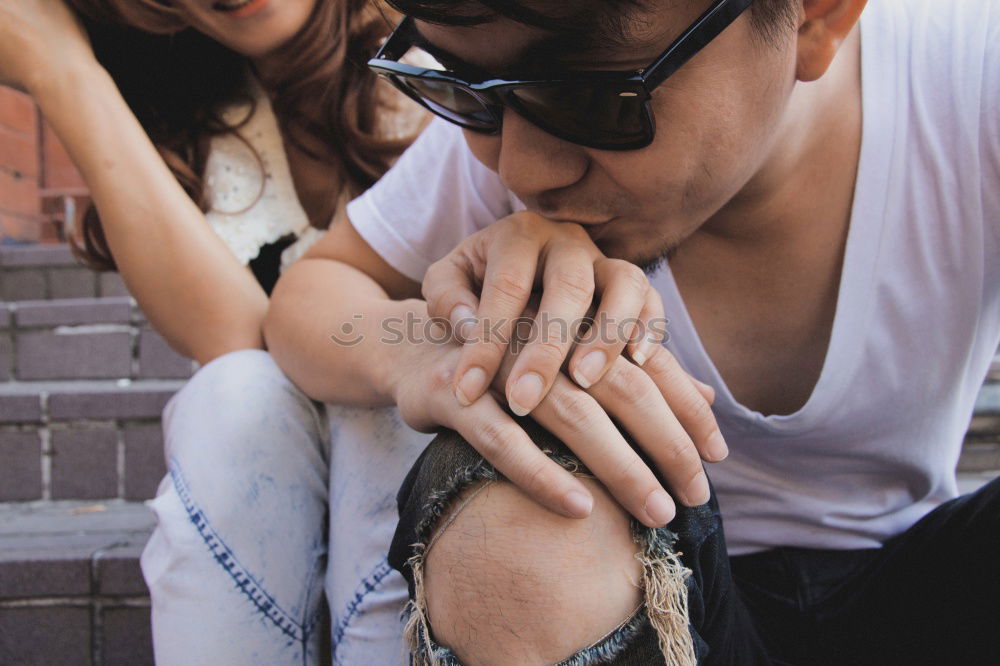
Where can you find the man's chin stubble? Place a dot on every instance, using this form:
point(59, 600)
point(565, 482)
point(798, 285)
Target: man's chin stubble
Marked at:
point(650, 261)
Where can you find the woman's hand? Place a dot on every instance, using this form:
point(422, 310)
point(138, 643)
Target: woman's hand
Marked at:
point(36, 35)
point(582, 419)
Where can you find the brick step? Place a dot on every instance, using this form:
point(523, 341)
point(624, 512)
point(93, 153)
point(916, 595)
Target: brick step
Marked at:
point(83, 338)
point(71, 591)
point(34, 272)
point(83, 440)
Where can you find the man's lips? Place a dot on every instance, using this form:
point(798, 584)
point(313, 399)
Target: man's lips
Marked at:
point(593, 227)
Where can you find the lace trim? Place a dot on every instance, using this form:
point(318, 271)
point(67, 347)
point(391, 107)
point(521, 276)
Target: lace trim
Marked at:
point(253, 201)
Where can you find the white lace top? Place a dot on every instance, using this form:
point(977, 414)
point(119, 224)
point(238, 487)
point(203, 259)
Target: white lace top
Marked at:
point(253, 202)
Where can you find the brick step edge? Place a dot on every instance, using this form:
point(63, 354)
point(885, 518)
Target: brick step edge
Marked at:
point(50, 271)
point(85, 338)
point(71, 590)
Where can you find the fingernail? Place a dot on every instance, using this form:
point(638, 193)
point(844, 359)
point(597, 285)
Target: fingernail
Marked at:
point(588, 370)
point(472, 385)
point(697, 491)
point(659, 507)
point(645, 351)
point(526, 394)
point(463, 321)
point(577, 504)
point(716, 447)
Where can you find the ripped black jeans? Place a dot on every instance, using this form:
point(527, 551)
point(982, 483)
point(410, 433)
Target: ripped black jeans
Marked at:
point(930, 596)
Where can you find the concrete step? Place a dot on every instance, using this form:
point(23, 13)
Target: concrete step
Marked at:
point(34, 272)
point(71, 591)
point(84, 440)
point(83, 338)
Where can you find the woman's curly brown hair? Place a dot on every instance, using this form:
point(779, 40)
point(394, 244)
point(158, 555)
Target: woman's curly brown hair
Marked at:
point(177, 81)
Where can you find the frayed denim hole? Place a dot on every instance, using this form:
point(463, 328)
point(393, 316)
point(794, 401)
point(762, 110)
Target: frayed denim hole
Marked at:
point(612, 645)
point(665, 593)
point(417, 629)
point(664, 583)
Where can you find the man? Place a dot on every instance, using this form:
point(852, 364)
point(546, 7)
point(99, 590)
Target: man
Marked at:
point(827, 200)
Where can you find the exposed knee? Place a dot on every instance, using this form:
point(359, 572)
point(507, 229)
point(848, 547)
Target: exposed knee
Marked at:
point(508, 582)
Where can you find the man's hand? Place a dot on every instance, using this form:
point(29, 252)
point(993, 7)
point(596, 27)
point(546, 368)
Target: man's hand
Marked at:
point(505, 263)
point(666, 411)
point(581, 418)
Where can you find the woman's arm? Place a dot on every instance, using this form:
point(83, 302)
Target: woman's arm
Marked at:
point(187, 282)
point(192, 289)
point(327, 324)
point(343, 281)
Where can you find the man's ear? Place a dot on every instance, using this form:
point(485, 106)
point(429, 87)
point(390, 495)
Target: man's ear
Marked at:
point(824, 27)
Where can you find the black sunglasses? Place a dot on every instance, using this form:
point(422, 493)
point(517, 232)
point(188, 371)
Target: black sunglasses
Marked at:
point(603, 110)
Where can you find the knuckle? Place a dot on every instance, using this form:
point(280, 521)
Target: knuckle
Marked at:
point(441, 379)
point(659, 362)
point(572, 409)
point(575, 232)
point(493, 439)
point(511, 286)
point(632, 276)
point(631, 472)
point(521, 224)
point(698, 411)
point(548, 353)
point(540, 479)
point(622, 379)
point(432, 276)
point(675, 448)
point(577, 283)
point(488, 350)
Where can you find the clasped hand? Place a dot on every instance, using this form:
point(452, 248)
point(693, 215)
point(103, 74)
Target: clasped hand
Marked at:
point(487, 290)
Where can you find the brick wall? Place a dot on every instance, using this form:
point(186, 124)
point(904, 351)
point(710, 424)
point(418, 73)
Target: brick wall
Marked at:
point(36, 175)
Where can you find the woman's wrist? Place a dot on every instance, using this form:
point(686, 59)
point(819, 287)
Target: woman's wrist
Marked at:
point(52, 84)
point(399, 345)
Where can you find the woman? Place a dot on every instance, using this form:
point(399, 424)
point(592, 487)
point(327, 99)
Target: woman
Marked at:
point(213, 135)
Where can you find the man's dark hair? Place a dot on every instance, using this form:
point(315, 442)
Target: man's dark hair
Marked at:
point(584, 23)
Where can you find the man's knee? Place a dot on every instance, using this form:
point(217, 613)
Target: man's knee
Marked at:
point(508, 582)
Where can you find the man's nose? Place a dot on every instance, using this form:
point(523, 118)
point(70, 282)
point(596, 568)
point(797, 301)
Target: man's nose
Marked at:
point(532, 161)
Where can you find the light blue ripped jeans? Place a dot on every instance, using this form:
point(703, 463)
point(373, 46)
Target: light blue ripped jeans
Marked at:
point(271, 500)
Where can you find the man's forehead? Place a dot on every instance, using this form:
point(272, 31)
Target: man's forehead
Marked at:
point(503, 44)
point(495, 46)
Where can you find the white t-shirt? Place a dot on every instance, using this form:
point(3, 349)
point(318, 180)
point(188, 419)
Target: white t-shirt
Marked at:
point(918, 315)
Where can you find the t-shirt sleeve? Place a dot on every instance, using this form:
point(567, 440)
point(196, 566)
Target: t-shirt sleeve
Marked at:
point(436, 195)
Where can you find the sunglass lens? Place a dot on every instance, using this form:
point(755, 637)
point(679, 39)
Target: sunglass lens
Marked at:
point(603, 116)
point(451, 102)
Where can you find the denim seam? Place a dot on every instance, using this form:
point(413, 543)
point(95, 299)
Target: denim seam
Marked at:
point(227, 559)
point(368, 584)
